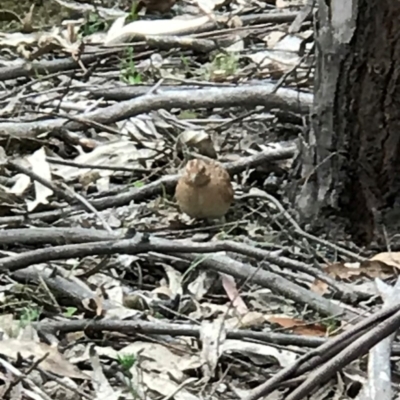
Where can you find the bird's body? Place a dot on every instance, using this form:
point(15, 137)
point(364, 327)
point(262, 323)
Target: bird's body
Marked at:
point(204, 191)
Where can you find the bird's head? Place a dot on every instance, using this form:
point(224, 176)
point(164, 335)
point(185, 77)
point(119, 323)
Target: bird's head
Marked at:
point(197, 172)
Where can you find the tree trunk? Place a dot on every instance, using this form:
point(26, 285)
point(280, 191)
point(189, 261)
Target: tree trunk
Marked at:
point(351, 163)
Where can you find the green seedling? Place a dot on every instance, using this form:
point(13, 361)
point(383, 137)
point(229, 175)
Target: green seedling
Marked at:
point(126, 361)
point(133, 15)
point(187, 114)
point(129, 74)
point(70, 311)
point(158, 315)
point(29, 315)
point(331, 324)
point(224, 64)
point(93, 24)
point(138, 184)
point(186, 63)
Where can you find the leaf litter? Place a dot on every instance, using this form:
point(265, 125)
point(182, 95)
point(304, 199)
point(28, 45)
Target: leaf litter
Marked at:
point(107, 290)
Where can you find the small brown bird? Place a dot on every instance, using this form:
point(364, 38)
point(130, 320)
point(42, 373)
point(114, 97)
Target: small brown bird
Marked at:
point(204, 191)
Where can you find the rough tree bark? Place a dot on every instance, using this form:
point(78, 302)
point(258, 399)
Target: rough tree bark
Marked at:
point(351, 163)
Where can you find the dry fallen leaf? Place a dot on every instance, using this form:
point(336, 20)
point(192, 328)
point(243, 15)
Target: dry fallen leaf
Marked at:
point(229, 284)
point(347, 271)
point(158, 358)
point(252, 319)
point(117, 153)
point(101, 385)
point(55, 361)
point(200, 285)
point(282, 4)
point(212, 335)
point(41, 167)
point(389, 258)
point(199, 140)
point(272, 38)
point(340, 271)
point(298, 326)
point(319, 287)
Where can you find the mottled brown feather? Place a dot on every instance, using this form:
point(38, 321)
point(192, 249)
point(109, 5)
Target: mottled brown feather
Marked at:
point(204, 190)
